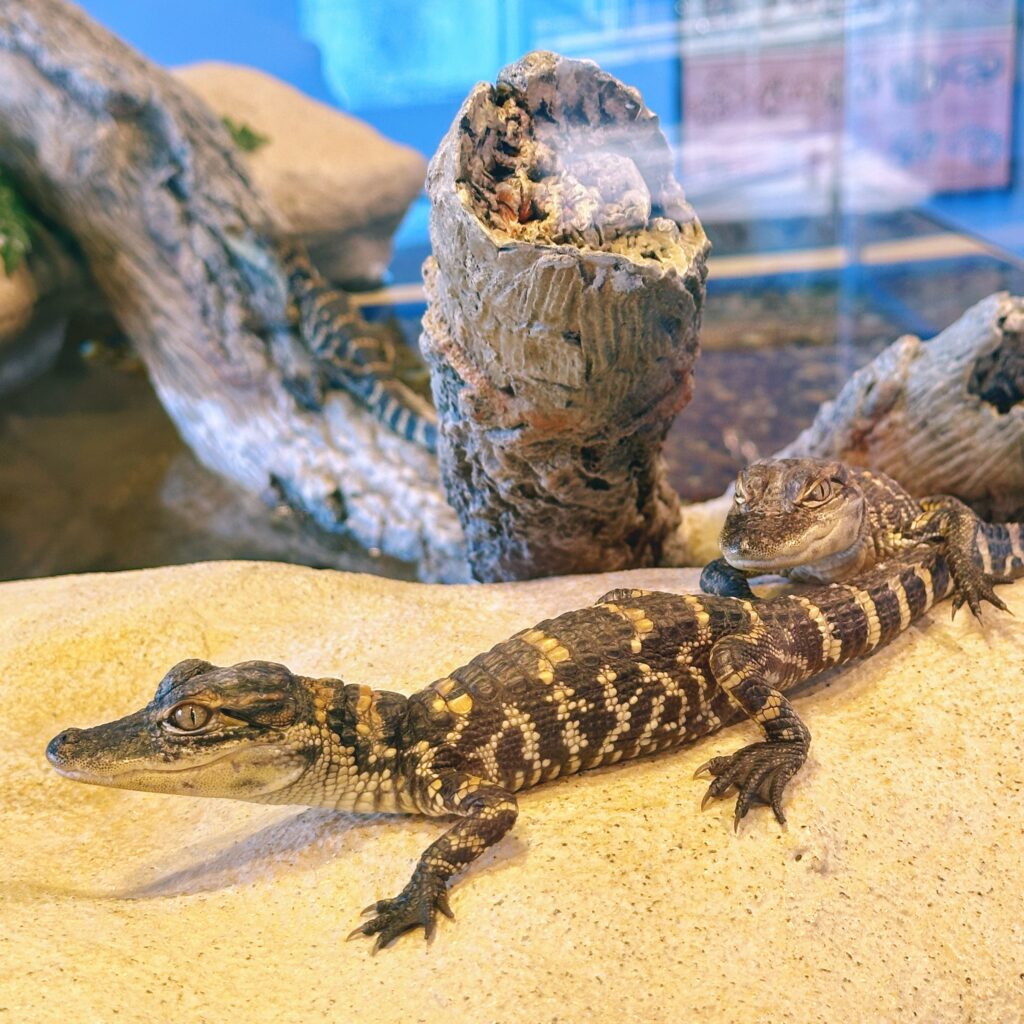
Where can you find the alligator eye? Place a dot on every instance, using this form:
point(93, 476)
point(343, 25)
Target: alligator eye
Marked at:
point(818, 494)
point(190, 717)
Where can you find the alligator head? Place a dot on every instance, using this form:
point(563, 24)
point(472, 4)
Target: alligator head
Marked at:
point(246, 732)
point(795, 512)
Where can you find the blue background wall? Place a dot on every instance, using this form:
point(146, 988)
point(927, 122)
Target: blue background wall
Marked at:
point(405, 65)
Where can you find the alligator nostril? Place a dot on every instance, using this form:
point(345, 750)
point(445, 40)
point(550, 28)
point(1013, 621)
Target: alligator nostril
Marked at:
point(56, 747)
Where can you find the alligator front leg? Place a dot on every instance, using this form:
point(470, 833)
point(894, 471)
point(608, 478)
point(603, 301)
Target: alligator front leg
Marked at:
point(487, 812)
point(725, 580)
point(951, 522)
point(750, 667)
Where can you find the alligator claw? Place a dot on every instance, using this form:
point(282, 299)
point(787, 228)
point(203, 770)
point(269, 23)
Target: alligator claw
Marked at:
point(444, 906)
point(972, 586)
point(416, 906)
point(976, 591)
point(759, 772)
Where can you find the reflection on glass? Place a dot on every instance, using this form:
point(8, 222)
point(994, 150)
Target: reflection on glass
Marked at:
point(853, 163)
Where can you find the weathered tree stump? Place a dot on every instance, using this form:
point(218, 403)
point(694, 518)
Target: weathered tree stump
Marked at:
point(565, 294)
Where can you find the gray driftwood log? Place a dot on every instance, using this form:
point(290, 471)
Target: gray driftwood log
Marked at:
point(146, 179)
point(944, 416)
point(565, 292)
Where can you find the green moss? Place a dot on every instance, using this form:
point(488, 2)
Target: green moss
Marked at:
point(15, 227)
point(245, 137)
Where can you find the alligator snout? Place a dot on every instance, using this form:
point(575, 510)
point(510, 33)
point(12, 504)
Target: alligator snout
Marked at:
point(62, 747)
point(742, 547)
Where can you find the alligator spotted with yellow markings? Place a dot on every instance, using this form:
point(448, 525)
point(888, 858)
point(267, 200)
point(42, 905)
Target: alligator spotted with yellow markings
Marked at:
point(636, 673)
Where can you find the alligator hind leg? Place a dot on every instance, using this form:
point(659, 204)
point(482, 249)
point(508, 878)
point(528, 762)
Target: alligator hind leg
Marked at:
point(487, 812)
point(752, 668)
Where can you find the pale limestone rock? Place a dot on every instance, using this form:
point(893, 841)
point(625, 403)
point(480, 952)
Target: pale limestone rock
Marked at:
point(894, 894)
point(333, 181)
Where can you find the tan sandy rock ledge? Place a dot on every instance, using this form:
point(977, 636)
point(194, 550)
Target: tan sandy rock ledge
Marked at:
point(895, 894)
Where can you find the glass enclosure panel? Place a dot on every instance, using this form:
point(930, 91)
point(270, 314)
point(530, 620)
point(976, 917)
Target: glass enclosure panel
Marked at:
point(856, 165)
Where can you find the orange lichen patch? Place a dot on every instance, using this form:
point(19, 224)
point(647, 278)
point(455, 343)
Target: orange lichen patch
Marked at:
point(551, 422)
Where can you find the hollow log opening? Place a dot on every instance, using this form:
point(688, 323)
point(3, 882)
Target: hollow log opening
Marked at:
point(998, 376)
point(542, 176)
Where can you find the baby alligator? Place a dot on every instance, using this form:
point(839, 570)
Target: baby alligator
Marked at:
point(821, 521)
point(354, 354)
point(636, 673)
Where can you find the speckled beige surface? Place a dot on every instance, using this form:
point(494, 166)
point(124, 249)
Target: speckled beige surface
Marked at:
point(895, 895)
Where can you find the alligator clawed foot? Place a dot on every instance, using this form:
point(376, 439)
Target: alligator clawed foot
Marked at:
point(760, 771)
point(971, 586)
point(416, 906)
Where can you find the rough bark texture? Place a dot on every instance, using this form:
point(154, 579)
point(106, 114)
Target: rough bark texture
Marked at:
point(146, 179)
point(944, 416)
point(564, 297)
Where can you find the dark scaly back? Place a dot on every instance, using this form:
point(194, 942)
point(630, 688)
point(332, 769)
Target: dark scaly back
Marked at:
point(356, 355)
point(889, 507)
point(834, 624)
point(590, 687)
point(631, 675)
